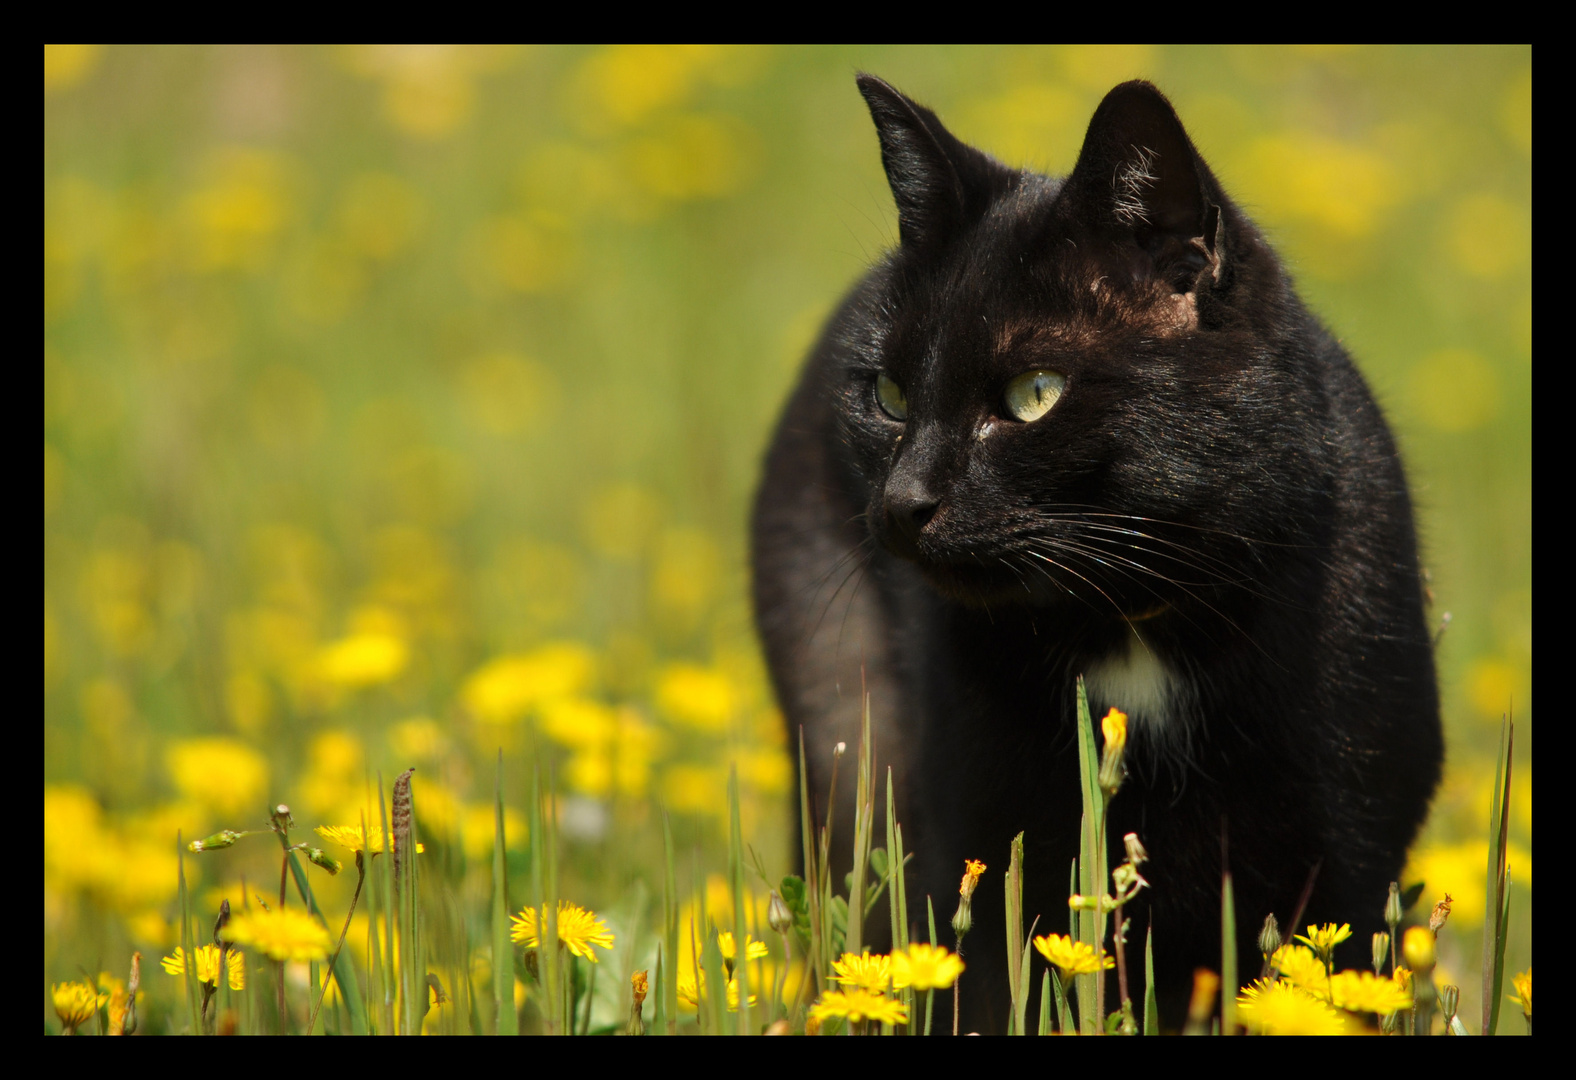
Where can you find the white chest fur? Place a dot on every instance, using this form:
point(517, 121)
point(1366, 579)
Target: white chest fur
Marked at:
point(1136, 680)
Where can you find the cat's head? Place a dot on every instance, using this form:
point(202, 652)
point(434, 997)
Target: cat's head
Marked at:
point(1054, 389)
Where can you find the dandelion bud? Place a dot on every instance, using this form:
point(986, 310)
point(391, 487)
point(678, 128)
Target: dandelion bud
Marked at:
point(637, 985)
point(778, 915)
point(839, 750)
point(973, 869)
point(1114, 728)
point(1436, 921)
point(281, 820)
point(318, 857)
point(1381, 951)
point(1418, 948)
point(1202, 1003)
point(1135, 850)
point(1270, 936)
point(221, 839)
point(1449, 1001)
point(1392, 907)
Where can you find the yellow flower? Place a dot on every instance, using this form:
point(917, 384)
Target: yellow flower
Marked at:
point(1114, 728)
point(1324, 939)
point(208, 966)
point(578, 929)
point(1299, 966)
point(753, 950)
point(349, 836)
point(859, 1004)
point(76, 1002)
point(1523, 994)
point(867, 972)
point(281, 934)
point(1418, 948)
point(1277, 1008)
point(638, 985)
point(1363, 991)
point(690, 991)
point(972, 869)
point(1073, 957)
point(925, 967)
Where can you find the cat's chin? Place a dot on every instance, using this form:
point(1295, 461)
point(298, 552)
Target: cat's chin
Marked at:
point(980, 586)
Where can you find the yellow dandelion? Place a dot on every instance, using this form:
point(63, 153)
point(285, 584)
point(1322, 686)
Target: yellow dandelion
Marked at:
point(753, 950)
point(1363, 991)
point(1323, 939)
point(1072, 957)
point(1278, 1008)
point(1299, 966)
point(281, 934)
point(578, 930)
point(1523, 994)
point(690, 991)
point(866, 972)
point(208, 966)
point(349, 836)
point(76, 1002)
point(925, 967)
point(1114, 728)
point(859, 1004)
point(638, 985)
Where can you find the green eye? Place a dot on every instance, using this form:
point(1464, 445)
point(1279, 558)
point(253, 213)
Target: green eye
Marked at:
point(1032, 394)
point(889, 395)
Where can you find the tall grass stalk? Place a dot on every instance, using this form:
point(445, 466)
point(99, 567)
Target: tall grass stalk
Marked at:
point(507, 1021)
point(1496, 912)
point(1092, 873)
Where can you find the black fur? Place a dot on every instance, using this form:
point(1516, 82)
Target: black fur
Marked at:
point(1215, 491)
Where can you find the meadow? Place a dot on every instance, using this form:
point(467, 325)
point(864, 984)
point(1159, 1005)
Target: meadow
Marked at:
point(402, 408)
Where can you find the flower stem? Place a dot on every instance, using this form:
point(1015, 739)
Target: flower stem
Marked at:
point(361, 870)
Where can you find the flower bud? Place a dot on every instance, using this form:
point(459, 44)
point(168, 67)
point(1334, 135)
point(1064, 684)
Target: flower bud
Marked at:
point(1392, 907)
point(1270, 936)
point(1436, 921)
point(318, 857)
point(1114, 728)
point(1381, 951)
point(1418, 948)
point(221, 839)
point(1449, 1001)
point(1135, 850)
point(778, 915)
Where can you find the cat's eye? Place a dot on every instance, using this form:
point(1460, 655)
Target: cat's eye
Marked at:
point(890, 396)
point(1032, 394)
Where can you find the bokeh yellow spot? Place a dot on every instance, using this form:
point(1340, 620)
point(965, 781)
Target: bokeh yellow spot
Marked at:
point(1489, 236)
point(504, 689)
point(1454, 390)
point(226, 776)
point(509, 394)
point(67, 65)
point(621, 519)
point(1494, 686)
point(696, 697)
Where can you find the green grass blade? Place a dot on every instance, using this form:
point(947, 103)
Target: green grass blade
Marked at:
point(187, 949)
point(1045, 1003)
point(508, 1021)
point(1151, 1005)
point(741, 962)
point(1091, 861)
point(930, 995)
point(1228, 957)
point(668, 987)
point(1016, 989)
point(1494, 923)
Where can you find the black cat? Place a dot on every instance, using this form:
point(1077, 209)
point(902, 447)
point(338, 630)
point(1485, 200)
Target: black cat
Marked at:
point(1085, 426)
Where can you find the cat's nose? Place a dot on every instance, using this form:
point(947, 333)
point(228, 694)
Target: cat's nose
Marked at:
point(909, 508)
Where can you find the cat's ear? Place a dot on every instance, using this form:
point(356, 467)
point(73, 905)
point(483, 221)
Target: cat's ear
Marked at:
point(940, 183)
point(1140, 178)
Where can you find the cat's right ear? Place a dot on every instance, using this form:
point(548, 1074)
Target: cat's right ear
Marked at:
point(940, 184)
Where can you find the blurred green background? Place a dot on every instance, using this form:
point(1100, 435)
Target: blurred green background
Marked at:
point(402, 402)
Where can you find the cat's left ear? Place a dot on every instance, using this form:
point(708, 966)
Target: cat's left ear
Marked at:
point(1139, 176)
